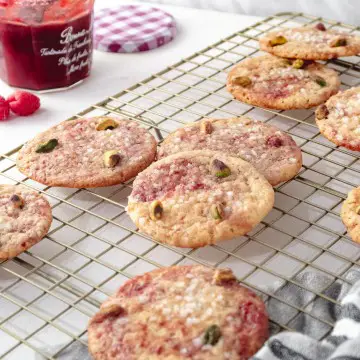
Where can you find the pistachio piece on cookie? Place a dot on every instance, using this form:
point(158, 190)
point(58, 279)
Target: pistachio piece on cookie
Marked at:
point(107, 124)
point(322, 112)
point(298, 64)
point(17, 201)
point(243, 81)
point(47, 146)
point(212, 335)
point(278, 40)
point(112, 308)
point(340, 41)
point(156, 210)
point(206, 127)
point(222, 276)
point(220, 169)
point(217, 211)
point(112, 158)
point(320, 81)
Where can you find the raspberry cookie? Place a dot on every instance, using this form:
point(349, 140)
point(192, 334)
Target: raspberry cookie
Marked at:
point(310, 43)
point(339, 119)
point(196, 198)
point(100, 151)
point(350, 214)
point(275, 83)
point(25, 218)
point(272, 152)
point(178, 313)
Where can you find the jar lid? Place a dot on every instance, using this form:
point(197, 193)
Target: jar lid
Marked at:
point(132, 28)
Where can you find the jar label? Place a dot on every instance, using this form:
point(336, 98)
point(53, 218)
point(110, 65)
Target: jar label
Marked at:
point(73, 51)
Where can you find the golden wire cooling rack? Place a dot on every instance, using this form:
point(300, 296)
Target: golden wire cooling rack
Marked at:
point(48, 294)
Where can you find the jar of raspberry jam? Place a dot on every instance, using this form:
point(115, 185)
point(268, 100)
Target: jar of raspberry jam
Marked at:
point(45, 44)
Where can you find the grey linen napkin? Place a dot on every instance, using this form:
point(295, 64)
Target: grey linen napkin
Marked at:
point(343, 343)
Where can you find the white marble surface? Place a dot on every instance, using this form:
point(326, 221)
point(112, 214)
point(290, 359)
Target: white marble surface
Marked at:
point(114, 72)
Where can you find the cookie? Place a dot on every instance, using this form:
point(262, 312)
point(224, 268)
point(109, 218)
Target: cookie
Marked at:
point(272, 152)
point(350, 214)
point(275, 83)
point(95, 152)
point(25, 218)
point(196, 198)
point(178, 313)
point(339, 119)
point(310, 43)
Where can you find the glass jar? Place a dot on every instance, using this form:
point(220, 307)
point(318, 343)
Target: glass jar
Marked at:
point(45, 44)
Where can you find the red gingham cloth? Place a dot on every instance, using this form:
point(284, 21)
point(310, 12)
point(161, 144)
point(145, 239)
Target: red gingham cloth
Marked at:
point(132, 28)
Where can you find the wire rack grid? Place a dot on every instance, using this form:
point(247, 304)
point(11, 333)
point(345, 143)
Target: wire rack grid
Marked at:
point(48, 293)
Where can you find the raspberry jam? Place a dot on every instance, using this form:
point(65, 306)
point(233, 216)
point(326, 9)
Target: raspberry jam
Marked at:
point(45, 44)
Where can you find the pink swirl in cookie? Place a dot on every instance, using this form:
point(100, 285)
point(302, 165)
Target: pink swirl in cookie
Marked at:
point(181, 177)
point(279, 82)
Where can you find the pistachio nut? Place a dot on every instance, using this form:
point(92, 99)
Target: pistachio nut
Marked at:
point(112, 309)
point(278, 40)
point(219, 169)
point(107, 124)
point(222, 276)
point(111, 158)
point(357, 210)
point(320, 81)
point(156, 210)
point(320, 26)
point(298, 64)
point(206, 127)
point(47, 147)
point(212, 335)
point(17, 201)
point(243, 81)
point(217, 211)
point(338, 42)
point(322, 112)
point(109, 310)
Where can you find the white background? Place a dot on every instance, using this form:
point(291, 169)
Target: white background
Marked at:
point(347, 11)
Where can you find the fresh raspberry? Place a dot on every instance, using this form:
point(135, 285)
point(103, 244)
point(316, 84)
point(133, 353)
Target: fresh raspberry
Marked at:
point(4, 109)
point(23, 103)
point(6, 3)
